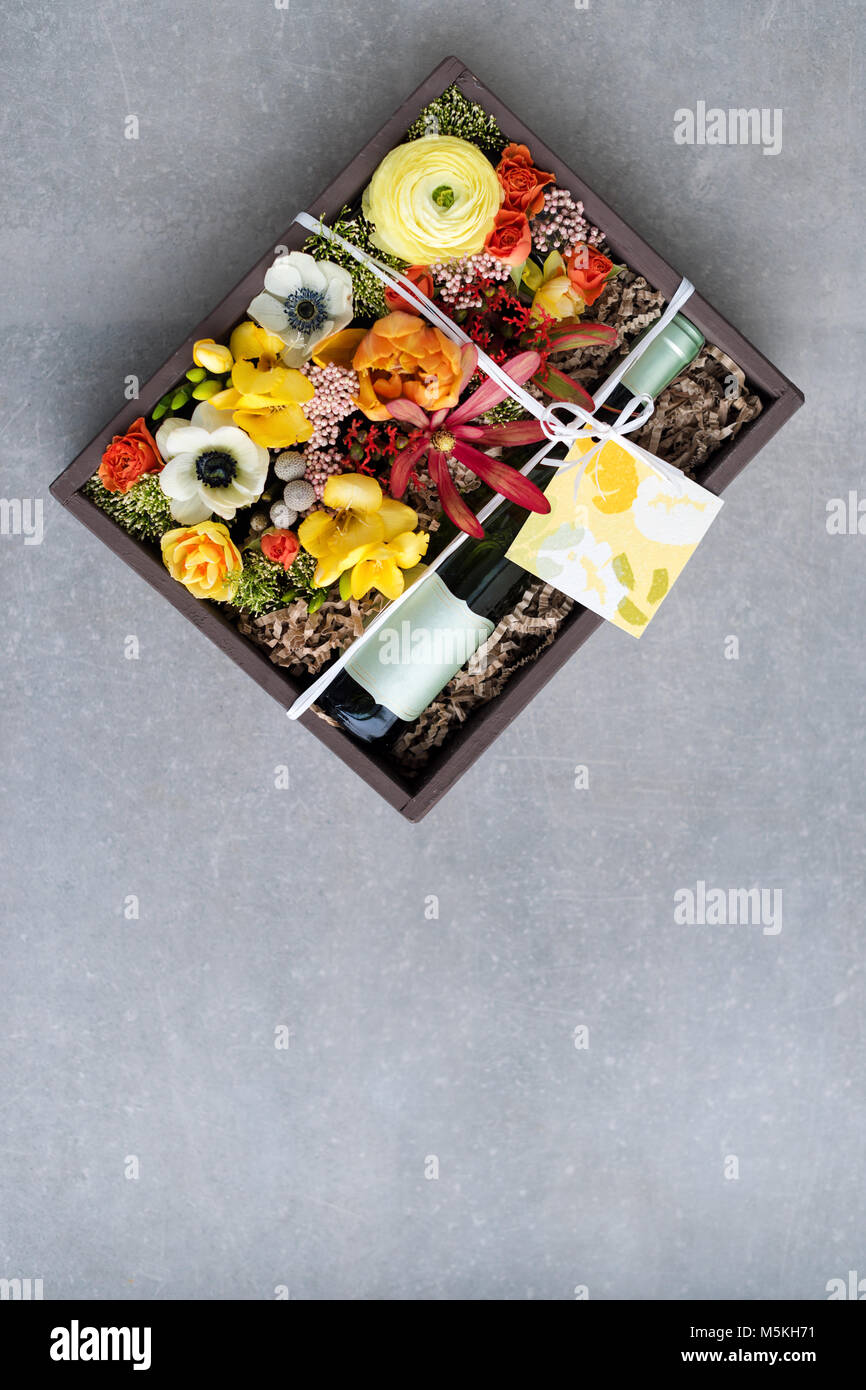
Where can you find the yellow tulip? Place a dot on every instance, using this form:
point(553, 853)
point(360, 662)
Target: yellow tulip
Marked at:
point(554, 293)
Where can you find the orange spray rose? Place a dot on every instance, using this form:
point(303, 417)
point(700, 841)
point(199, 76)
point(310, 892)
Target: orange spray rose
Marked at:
point(128, 457)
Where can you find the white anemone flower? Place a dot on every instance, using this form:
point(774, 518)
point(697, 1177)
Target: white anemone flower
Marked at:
point(304, 301)
point(211, 467)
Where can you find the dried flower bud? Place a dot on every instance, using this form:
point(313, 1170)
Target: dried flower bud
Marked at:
point(282, 516)
point(289, 465)
point(298, 495)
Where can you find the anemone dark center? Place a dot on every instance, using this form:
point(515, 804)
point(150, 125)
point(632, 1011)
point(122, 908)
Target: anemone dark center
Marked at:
point(444, 441)
point(215, 468)
point(305, 310)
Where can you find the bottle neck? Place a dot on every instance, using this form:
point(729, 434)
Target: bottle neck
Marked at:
point(615, 404)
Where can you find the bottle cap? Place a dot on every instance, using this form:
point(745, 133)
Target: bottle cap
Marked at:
point(667, 355)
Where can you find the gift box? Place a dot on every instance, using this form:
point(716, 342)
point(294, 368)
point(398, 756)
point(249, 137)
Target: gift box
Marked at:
point(414, 789)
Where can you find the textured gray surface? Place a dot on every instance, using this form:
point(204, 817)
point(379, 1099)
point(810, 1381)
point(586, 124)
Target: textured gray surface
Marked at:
point(411, 1037)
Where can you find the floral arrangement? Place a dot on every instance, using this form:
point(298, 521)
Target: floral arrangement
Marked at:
point(316, 452)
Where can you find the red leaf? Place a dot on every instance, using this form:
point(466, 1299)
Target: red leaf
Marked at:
point(403, 464)
point(572, 335)
point(562, 388)
point(453, 504)
point(514, 432)
point(489, 394)
point(503, 478)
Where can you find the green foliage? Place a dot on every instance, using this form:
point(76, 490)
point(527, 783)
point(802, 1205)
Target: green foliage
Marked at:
point(144, 511)
point(368, 290)
point(455, 114)
point(502, 414)
point(264, 586)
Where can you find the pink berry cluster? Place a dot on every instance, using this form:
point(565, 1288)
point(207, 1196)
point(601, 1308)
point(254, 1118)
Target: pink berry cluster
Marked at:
point(336, 389)
point(321, 463)
point(461, 282)
point(561, 223)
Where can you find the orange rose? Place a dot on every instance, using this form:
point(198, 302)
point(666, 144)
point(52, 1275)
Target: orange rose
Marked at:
point(280, 546)
point(420, 276)
point(510, 239)
point(401, 355)
point(522, 182)
point(128, 457)
point(588, 270)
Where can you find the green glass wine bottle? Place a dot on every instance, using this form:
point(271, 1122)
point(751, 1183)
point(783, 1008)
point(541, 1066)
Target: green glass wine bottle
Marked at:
point(393, 675)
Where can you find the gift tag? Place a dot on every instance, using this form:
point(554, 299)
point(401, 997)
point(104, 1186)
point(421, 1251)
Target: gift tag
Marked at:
point(618, 543)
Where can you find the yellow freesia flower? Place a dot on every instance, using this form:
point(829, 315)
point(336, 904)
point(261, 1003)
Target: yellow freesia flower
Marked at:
point(265, 398)
point(214, 357)
point(249, 343)
point(433, 199)
point(381, 566)
point(204, 558)
point(555, 295)
point(364, 518)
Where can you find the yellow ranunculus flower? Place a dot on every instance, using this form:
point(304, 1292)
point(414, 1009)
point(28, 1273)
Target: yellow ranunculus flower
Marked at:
point(204, 558)
point(364, 519)
point(555, 295)
point(433, 199)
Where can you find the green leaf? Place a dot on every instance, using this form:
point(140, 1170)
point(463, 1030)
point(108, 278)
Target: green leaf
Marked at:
point(517, 274)
point(346, 585)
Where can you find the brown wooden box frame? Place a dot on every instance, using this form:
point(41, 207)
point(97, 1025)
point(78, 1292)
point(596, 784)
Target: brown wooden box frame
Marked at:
point(414, 797)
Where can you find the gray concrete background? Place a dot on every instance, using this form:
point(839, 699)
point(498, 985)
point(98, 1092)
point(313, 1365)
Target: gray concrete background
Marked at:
point(410, 1038)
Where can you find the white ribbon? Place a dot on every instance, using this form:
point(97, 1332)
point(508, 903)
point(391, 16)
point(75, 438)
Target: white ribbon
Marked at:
point(556, 431)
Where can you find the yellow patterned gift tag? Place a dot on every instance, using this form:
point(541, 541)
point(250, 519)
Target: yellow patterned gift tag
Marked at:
point(618, 544)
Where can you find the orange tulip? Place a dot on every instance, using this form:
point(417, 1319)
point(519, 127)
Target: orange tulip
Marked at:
point(401, 356)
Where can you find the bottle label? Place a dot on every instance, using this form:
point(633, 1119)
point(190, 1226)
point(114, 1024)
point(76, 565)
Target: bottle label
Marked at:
point(406, 663)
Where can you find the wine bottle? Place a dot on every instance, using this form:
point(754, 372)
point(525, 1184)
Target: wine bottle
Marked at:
point(397, 672)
